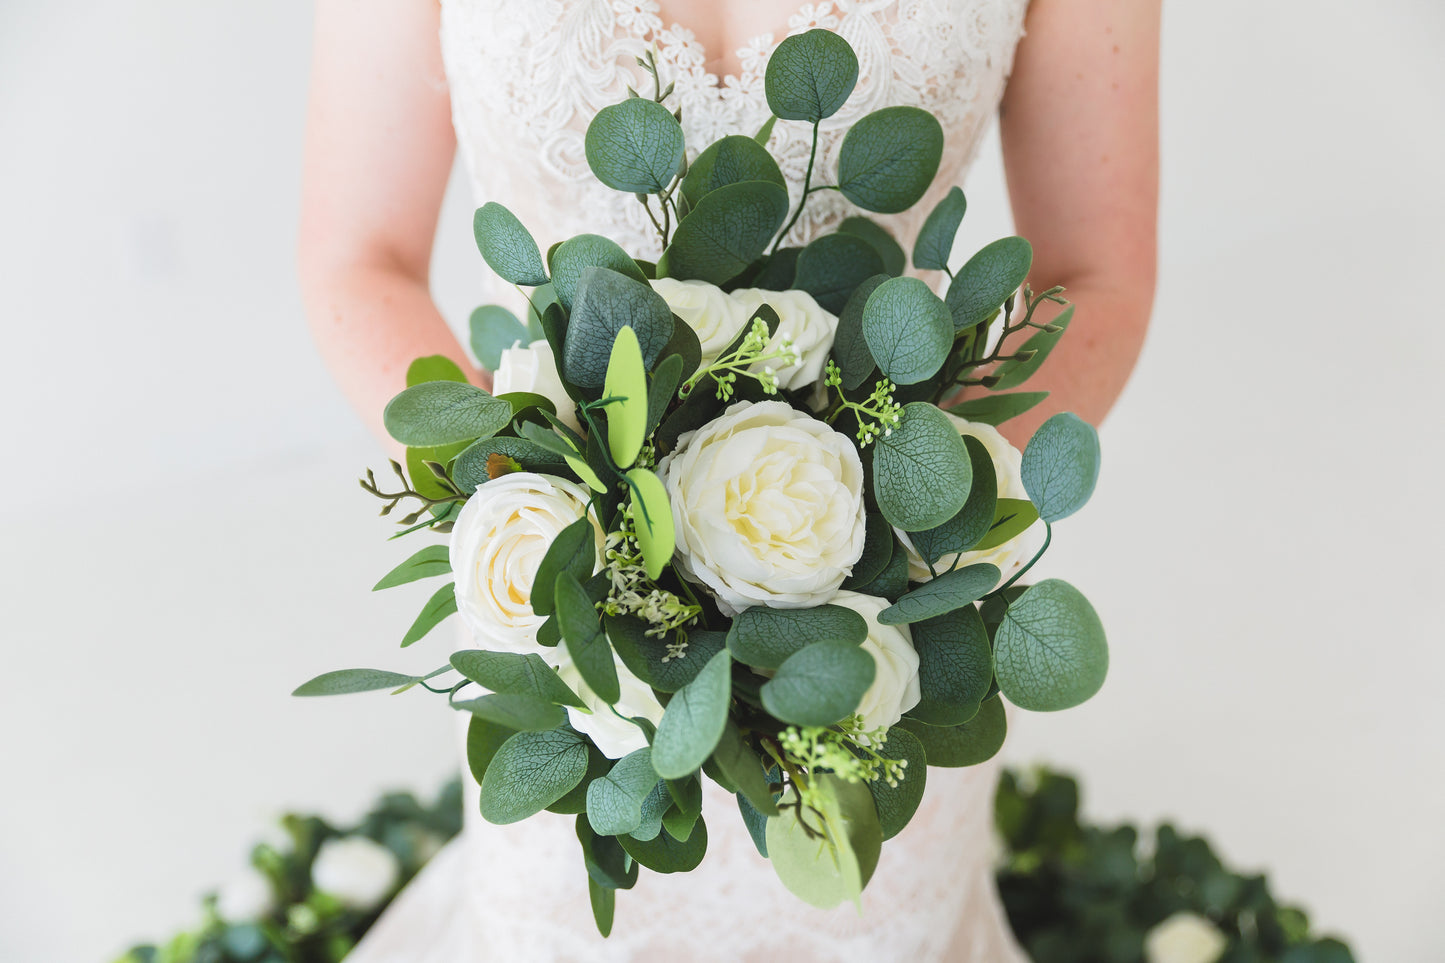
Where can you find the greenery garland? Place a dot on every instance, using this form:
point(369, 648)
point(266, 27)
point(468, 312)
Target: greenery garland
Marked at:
point(1074, 892)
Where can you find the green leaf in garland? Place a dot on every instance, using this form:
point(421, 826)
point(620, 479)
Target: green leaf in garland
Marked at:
point(977, 740)
point(604, 906)
point(442, 604)
point(894, 261)
point(1050, 650)
point(664, 854)
point(908, 330)
point(892, 581)
point(435, 367)
point(512, 672)
point(574, 550)
point(471, 466)
point(765, 132)
point(347, 681)
point(921, 470)
point(531, 771)
point(830, 267)
point(648, 656)
point(850, 347)
point(744, 768)
point(574, 800)
point(987, 280)
point(626, 386)
point(607, 864)
point(507, 246)
point(996, 409)
point(652, 515)
point(888, 159)
point(974, 520)
point(614, 801)
point(606, 303)
point(524, 713)
point(1011, 374)
point(586, 642)
point(731, 160)
point(877, 552)
point(765, 638)
point(494, 329)
point(935, 239)
point(1011, 517)
point(827, 873)
point(693, 721)
point(820, 684)
point(810, 76)
point(663, 389)
point(728, 230)
point(955, 667)
point(779, 270)
point(897, 803)
point(1061, 466)
point(430, 561)
point(484, 738)
point(949, 591)
point(444, 413)
point(635, 147)
point(575, 255)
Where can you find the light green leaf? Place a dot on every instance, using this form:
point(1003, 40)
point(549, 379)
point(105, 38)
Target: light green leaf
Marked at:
point(731, 160)
point(614, 801)
point(573, 550)
point(654, 806)
point(949, 591)
point(512, 672)
point(908, 330)
point(889, 157)
point(955, 667)
point(1011, 374)
point(523, 713)
point(830, 870)
point(442, 604)
point(728, 230)
point(694, 720)
point(878, 237)
point(830, 268)
point(935, 239)
point(626, 385)
point(973, 521)
point(1011, 517)
point(1050, 650)
point(1061, 466)
point(850, 348)
point(810, 76)
point(575, 255)
point(531, 771)
point(765, 132)
point(986, 280)
point(574, 800)
point(346, 681)
point(607, 302)
point(435, 367)
point(635, 147)
point(897, 804)
point(820, 684)
point(765, 638)
point(443, 413)
point(921, 470)
point(423, 479)
point(586, 642)
point(430, 561)
point(494, 329)
point(644, 654)
point(996, 409)
point(652, 514)
point(664, 854)
point(977, 740)
point(507, 246)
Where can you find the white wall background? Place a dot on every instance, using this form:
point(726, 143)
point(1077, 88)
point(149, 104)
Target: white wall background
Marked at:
point(181, 538)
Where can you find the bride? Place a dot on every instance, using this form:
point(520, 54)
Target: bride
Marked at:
point(399, 85)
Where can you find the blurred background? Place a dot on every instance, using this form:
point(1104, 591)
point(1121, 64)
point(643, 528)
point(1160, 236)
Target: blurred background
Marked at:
point(184, 541)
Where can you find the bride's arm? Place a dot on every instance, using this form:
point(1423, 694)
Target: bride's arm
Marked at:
point(1080, 133)
point(379, 148)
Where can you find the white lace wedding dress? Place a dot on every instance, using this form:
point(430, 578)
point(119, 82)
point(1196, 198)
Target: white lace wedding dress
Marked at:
point(526, 76)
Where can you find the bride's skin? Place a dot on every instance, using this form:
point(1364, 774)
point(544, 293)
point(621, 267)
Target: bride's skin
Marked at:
point(1079, 125)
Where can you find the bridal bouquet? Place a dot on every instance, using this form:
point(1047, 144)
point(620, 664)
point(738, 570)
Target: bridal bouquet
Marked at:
point(713, 522)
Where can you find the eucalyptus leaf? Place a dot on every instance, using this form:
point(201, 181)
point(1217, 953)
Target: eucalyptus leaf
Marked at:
point(897, 803)
point(347, 681)
point(444, 413)
point(494, 329)
point(635, 147)
point(667, 855)
point(949, 591)
point(893, 580)
point(694, 719)
point(955, 667)
point(430, 561)
point(829, 871)
point(1061, 466)
point(435, 367)
point(779, 270)
point(574, 800)
point(604, 906)
point(935, 239)
point(608, 865)
point(1050, 648)
point(663, 389)
point(921, 469)
point(973, 521)
point(614, 801)
point(765, 638)
point(1012, 517)
point(529, 772)
point(744, 769)
point(727, 231)
point(648, 657)
point(877, 552)
point(888, 158)
point(606, 302)
point(830, 267)
point(996, 409)
point(975, 741)
point(877, 236)
point(810, 76)
point(442, 604)
point(731, 160)
point(986, 281)
point(484, 738)
point(850, 347)
point(512, 672)
point(908, 330)
point(756, 823)
point(820, 684)
point(523, 713)
point(586, 642)
point(471, 466)
point(507, 246)
point(575, 255)
point(574, 550)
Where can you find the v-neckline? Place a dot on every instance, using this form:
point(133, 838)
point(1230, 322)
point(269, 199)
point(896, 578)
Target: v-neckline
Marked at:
point(720, 79)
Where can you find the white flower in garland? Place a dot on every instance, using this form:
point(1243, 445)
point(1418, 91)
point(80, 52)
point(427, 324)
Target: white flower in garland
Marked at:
point(245, 898)
point(715, 316)
point(895, 687)
point(1184, 938)
point(803, 323)
point(358, 872)
point(608, 726)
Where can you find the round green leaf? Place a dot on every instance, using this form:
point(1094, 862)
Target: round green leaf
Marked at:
point(977, 740)
point(484, 738)
point(765, 638)
point(507, 246)
point(494, 329)
point(908, 329)
point(850, 348)
point(573, 256)
point(729, 161)
point(626, 385)
point(955, 667)
point(644, 654)
point(897, 804)
point(935, 238)
point(921, 469)
point(605, 303)
point(524, 713)
point(1050, 651)
point(889, 157)
point(1061, 466)
point(727, 231)
point(831, 267)
point(635, 146)
point(443, 413)
point(694, 720)
point(614, 800)
point(964, 530)
point(949, 591)
point(827, 872)
point(652, 514)
point(986, 280)
point(531, 771)
point(470, 468)
point(810, 76)
point(436, 367)
point(882, 242)
point(819, 684)
point(664, 854)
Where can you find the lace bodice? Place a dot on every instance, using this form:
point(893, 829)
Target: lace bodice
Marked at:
point(527, 77)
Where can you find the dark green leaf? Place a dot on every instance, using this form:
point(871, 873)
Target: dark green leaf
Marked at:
point(765, 638)
point(996, 409)
point(643, 654)
point(850, 348)
point(744, 769)
point(430, 561)
point(608, 865)
point(1011, 374)
point(604, 906)
point(529, 772)
point(694, 719)
point(893, 580)
point(921, 470)
point(779, 270)
point(897, 804)
point(442, 604)
point(973, 521)
point(877, 551)
point(470, 468)
point(507, 246)
point(935, 238)
point(523, 713)
point(346, 681)
point(987, 280)
point(574, 550)
point(756, 823)
point(1061, 466)
point(575, 799)
point(1050, 649)
point(575, 255)
point(484, 738)
point(667, 855)
point(977, 740)
point(606, 302)
point(586, 642)
point(810, 76)
point(727, 231)
point(731, 160)
point(820, 684)
point(512, 672)
point(908, 330)
point(443, 413)
point(955, 667)
point(889, 157)
point(635, 147)
point(881, 241)
point(663, 389)
point(494, 329)
point(830, 268)
point(949, 591)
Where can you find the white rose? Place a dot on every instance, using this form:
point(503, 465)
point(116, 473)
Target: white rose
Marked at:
point(803, 322)
point(534, 369)
point(497, 543)
point(895, 687)
point(768, 506)
point(1008, 467)
point(245, 898)
point(613, 734)
point(355, 870)
point(716, 317)
point(1184, 938)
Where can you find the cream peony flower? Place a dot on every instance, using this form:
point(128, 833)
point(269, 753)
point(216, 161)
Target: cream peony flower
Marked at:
point(717, 318)
point(768, 506)
point(246, 897)
point(355, 870)
point(534, 369)
point(800, 320)
point(1184, 938)
point(613, 734)
point(497, 543)
point(1008, 466)
point(895, 687)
